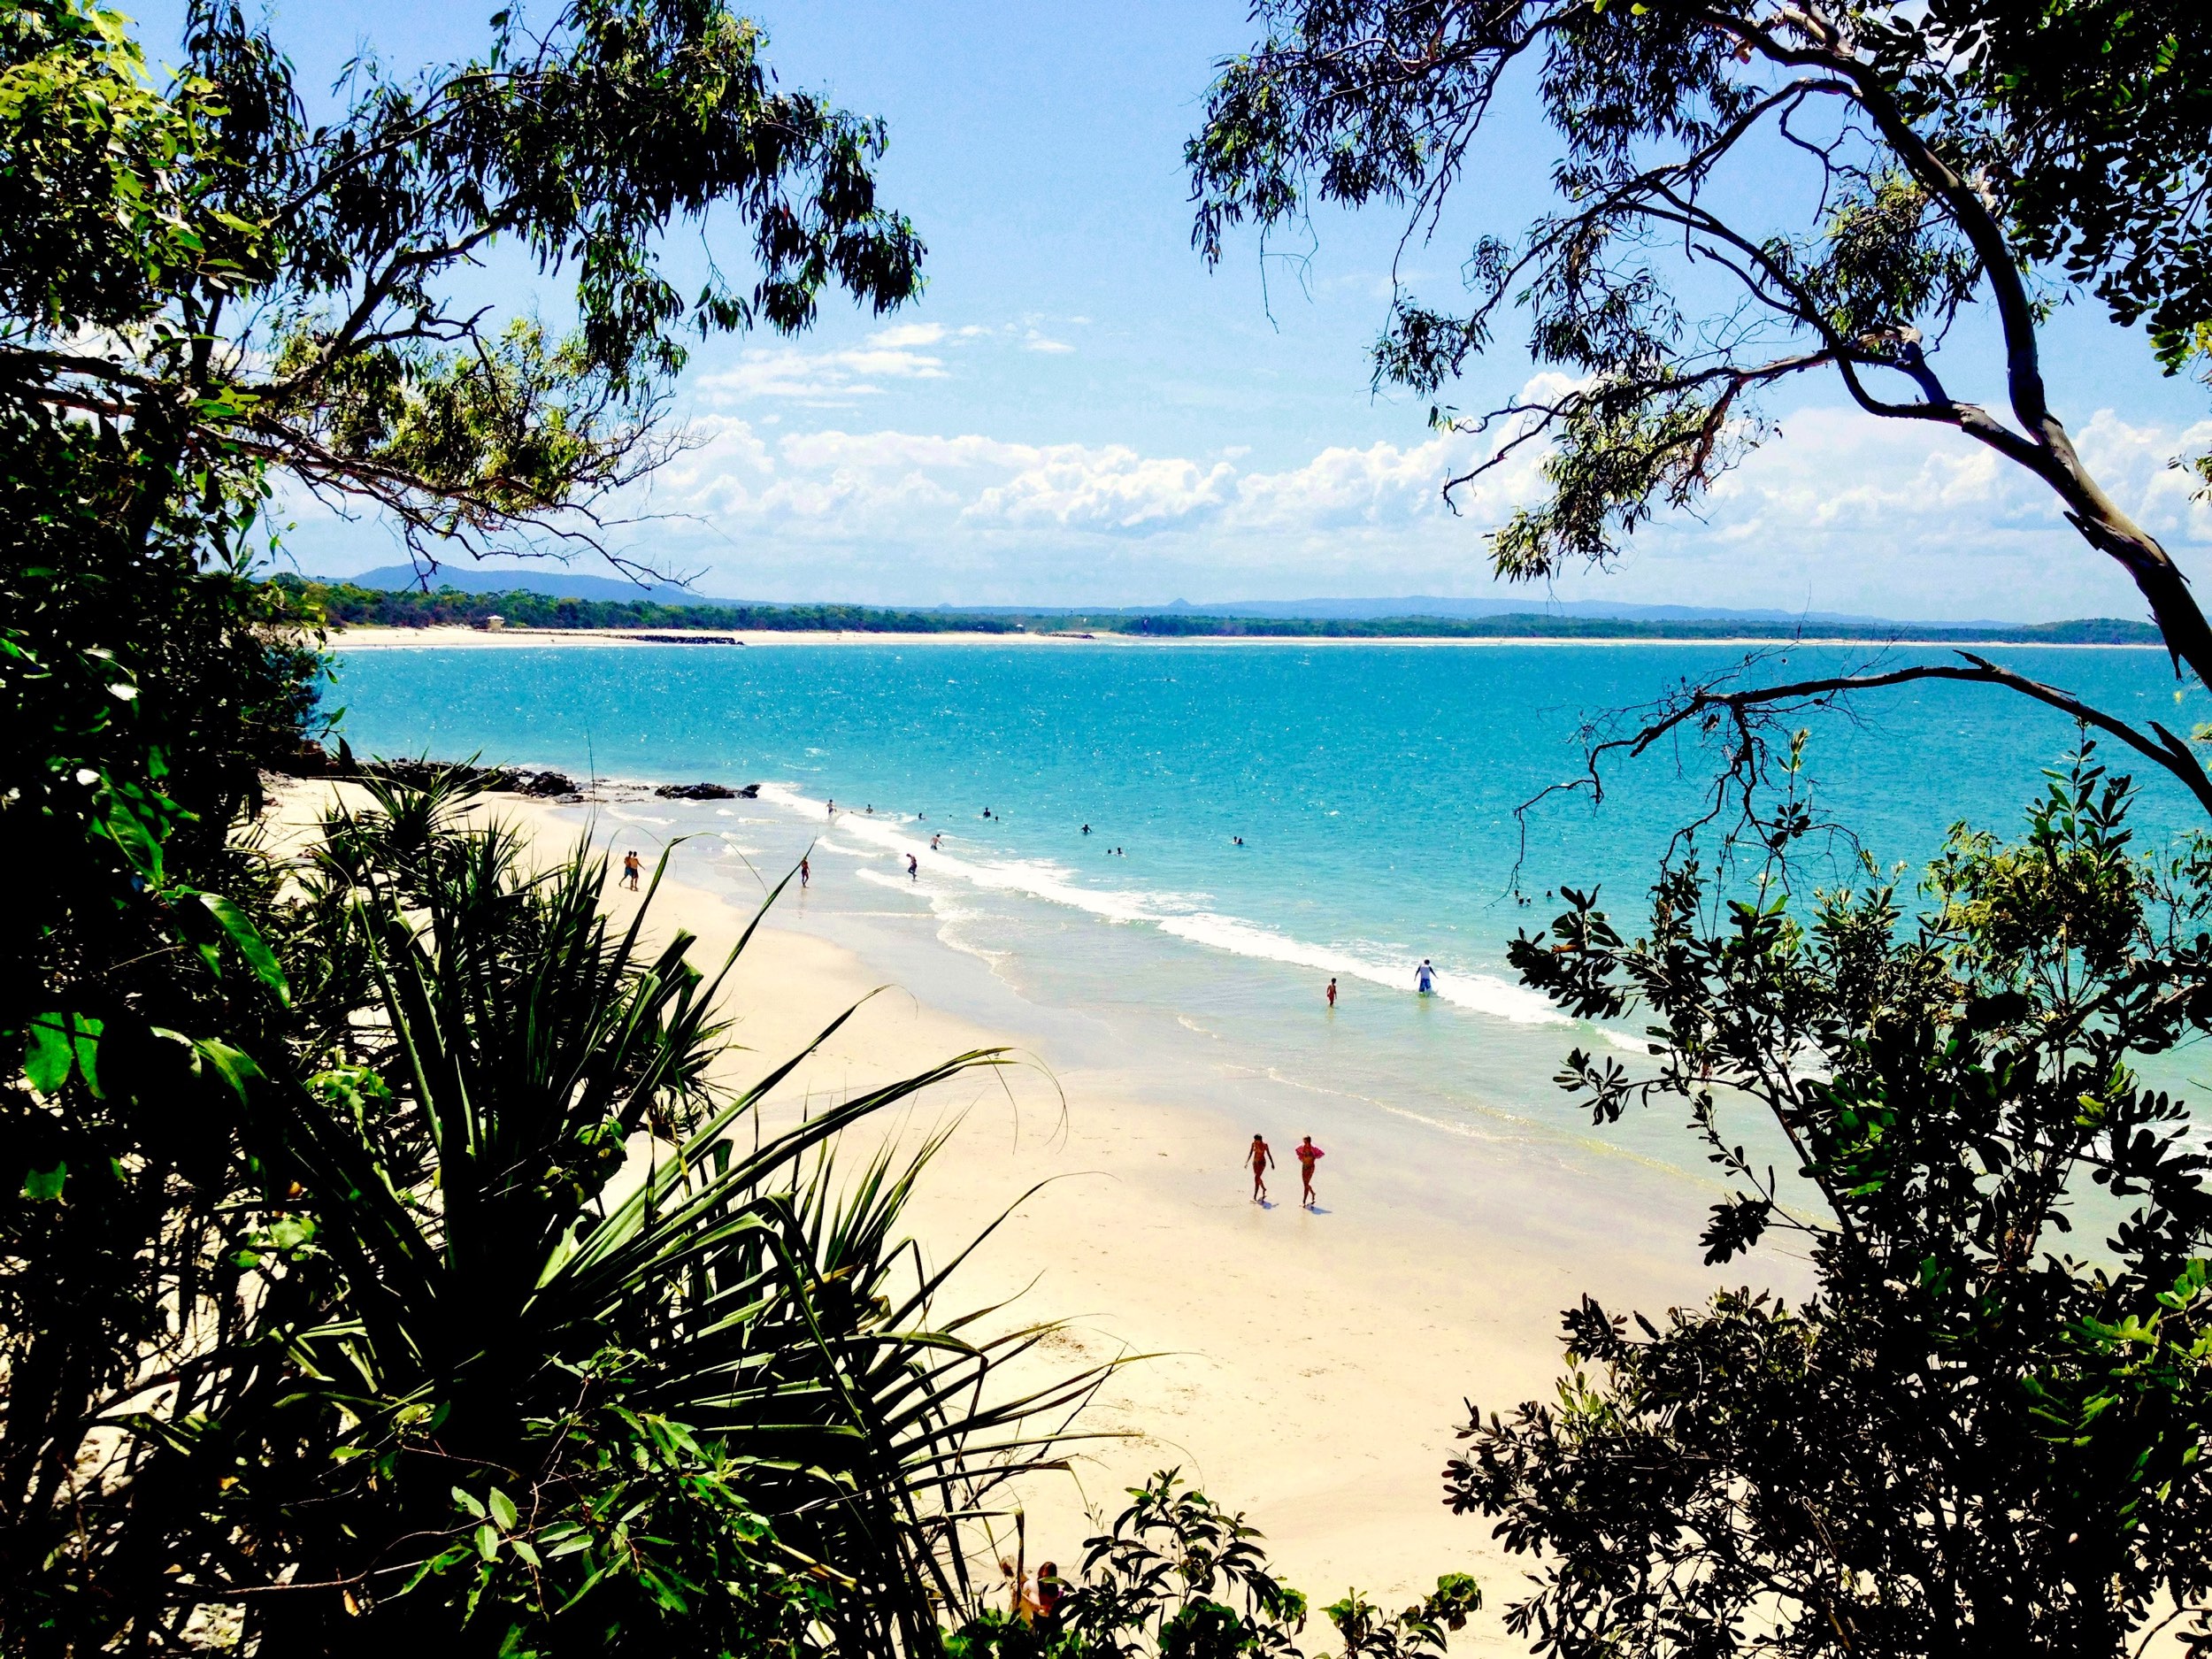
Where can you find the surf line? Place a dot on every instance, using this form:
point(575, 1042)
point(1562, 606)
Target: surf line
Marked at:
point(1054, 884)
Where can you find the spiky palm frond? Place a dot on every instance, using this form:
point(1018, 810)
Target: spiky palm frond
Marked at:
point(493, 1240)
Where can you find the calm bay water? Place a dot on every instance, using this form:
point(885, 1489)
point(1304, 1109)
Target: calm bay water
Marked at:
point(1374, 787)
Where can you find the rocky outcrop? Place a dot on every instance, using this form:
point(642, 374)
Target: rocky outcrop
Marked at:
point(707, 792)
point(312, 760)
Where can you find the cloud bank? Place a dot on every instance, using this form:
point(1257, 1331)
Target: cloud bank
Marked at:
point(1839, 511)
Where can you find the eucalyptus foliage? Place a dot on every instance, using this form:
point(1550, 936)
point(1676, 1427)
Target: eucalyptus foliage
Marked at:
point(1749, 194)
point(1985, 1431)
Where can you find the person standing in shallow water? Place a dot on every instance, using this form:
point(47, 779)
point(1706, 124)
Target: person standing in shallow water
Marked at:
point(806, 874)
point(1424, 978)
point(1332, 993)
point(1308, 1155)
point(1263, 1160)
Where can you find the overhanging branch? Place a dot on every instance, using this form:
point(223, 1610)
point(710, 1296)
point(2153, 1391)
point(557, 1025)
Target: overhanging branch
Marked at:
point(1748, 715)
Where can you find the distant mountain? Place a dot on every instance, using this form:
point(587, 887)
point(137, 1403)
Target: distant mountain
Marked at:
point(559, 583)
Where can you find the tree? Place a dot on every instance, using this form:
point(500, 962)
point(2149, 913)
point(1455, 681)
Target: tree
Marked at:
point(514, 1333)
point(204, 292)
point(1968, 1441)
point(1971, 1440)
point(1845, 179)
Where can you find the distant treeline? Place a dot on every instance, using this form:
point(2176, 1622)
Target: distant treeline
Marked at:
point(2089, 631)
point(343, 603)
point(448, 607)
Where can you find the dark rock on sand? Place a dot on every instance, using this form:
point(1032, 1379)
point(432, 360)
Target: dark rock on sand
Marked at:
point(555, 783)
point(707, 792)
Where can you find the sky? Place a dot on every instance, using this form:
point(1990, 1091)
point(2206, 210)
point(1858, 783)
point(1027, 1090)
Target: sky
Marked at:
point(1077, 411)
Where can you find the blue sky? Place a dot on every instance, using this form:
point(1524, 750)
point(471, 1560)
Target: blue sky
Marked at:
point(1077, 412)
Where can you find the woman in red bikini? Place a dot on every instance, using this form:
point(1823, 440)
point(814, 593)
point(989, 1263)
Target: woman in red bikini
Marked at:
point(1308, 1155)
point(1262, 1160)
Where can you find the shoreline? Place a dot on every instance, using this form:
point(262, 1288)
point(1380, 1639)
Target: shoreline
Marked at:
point(1305, 1368)
point(370, 637)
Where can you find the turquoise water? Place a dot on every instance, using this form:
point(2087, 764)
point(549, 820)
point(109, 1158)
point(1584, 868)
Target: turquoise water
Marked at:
point(1374, 787)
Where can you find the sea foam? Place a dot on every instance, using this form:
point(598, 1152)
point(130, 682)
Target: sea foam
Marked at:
point(1179, 915)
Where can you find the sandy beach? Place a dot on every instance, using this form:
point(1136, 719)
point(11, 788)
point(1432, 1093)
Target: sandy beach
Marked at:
point(1307, 1368)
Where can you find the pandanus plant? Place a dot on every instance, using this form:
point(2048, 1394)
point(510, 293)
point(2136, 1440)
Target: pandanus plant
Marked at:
point(607, 1357)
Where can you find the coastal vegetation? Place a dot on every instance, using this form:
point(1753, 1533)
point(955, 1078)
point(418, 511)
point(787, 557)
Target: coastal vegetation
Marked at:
point(1984, 1432)
point(1980, 1435)
point(342, 604)
point(382, 1263)
point(387, 1261)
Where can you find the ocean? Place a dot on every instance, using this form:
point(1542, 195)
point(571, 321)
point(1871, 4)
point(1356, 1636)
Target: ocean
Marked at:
point(1261, 817)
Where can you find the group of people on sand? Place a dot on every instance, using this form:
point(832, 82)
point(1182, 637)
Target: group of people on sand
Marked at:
point(1262, 1157)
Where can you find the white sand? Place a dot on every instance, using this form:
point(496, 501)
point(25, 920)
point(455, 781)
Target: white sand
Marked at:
point(1309, 1369)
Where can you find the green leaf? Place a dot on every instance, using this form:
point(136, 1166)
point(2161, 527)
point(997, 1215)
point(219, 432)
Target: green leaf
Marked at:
point(58, 1043)
point(235, 1068)
point(45, 1184)
point(252, 946)
point(138, 839)
point(503, 1507)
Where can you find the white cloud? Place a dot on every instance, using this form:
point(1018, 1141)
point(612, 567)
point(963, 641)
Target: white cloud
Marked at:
point(1837, 513)
point(901, 334)
point(829, 377)
point(1839, 470)
point(1109, 489)
point(899, 353)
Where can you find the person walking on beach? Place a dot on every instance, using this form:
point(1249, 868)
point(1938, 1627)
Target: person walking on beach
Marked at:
point(913, 868)
point(1263, 1160)
point(1051, 1590)
point(1308, 1155)
point(1332, 993)
point(933, 840)
point(806, 874)
point(1424, 978)
point(1019, 1607)
point(630, 870)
